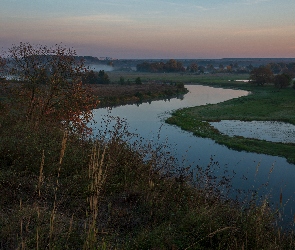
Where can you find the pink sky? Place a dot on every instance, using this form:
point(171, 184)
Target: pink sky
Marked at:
point(154, 29)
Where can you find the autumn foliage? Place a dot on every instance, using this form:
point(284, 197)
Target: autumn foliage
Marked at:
point(261, 75)
point(47, 86)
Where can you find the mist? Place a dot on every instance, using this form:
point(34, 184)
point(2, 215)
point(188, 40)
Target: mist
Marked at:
point(98, 67)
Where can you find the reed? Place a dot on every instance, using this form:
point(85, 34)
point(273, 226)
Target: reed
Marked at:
point(97, 174)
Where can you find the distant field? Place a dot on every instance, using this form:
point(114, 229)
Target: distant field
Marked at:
point(178, 77)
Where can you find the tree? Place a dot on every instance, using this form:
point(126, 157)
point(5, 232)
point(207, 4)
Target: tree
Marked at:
point(289, 71)
point(173, 66)
point(90, 77)
point(157, 67)
point(261, 75)
point(275, 68)
point(50, 87)
point(145, 67)
point(2, 66)
point(201, 68)
point(193, 67)
point(138, 81)
point(282, 81)
point(103, 77)
point(210, 68)
point(110, 64)
point(122, 80)
point(170, 66)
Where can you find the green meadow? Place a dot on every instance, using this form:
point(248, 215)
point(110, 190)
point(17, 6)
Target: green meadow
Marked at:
point(225, 79)
point(262, 104)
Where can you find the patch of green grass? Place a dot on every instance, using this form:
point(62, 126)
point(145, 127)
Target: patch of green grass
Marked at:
point(215, 79)
point(263, 104)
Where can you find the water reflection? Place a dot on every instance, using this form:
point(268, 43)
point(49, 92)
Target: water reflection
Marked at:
point(252, 171)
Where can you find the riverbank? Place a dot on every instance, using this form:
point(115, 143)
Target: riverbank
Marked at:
point(263, 104)
point(59, 192)
point(116, 94)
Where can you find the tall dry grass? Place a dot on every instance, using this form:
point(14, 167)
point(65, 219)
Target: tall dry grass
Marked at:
point(61, 192)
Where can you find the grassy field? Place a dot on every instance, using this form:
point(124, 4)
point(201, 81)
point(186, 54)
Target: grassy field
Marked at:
point(263, 104)
point(177, 77)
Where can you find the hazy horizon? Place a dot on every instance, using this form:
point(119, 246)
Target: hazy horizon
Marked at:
point(154, 29)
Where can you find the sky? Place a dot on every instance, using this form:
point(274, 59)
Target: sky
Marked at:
point(150, 29)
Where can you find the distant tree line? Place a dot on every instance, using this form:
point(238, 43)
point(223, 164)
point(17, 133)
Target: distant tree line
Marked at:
point(265, 75)
point(93, 77)
point(101, 77)
point(170, 66)
point(177, 66)
point(122, 81)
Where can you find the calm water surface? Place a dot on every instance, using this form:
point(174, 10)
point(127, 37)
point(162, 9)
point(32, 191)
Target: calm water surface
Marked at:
point(251, 170)
point(263, 130)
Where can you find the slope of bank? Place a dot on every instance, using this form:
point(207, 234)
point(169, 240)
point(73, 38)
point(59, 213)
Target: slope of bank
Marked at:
point(59, 192)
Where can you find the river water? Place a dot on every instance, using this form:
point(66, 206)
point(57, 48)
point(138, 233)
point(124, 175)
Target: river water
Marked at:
point(251, 171)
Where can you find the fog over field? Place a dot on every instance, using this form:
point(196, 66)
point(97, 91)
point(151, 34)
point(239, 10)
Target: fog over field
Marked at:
point(98, 67)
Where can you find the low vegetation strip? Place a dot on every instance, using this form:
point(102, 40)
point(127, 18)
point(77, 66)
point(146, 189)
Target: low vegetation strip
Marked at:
point(263, 104)
point(116, 94)
point(179, 77)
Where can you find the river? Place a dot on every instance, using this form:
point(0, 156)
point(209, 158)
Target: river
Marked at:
point(251, 171)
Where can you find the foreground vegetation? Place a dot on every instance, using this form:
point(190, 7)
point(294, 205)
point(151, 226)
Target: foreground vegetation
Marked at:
point(61, 192)
point(62, 189)
point(262, 104)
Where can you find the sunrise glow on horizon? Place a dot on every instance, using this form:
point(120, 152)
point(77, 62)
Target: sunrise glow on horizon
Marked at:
point(154, 28)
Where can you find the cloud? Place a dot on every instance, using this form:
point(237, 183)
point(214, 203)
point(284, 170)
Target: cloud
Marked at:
point(251, 2)
point(183, 5)
point(119, 3)
point(267, 31)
